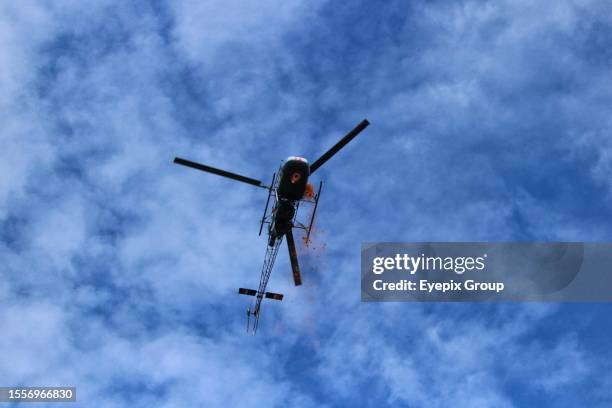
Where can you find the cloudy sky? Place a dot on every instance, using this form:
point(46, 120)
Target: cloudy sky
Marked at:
point(490, 122)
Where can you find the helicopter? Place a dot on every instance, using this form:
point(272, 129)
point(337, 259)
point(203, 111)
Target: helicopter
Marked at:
point(289, 188)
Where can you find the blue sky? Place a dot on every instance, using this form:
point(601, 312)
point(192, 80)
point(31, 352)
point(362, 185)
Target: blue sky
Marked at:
point(490, 121)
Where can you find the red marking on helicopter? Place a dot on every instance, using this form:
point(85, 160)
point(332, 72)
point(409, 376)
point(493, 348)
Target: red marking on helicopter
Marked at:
point(310, 191)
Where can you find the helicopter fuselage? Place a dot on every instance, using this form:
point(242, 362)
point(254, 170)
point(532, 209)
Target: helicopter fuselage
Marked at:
point(293, 178)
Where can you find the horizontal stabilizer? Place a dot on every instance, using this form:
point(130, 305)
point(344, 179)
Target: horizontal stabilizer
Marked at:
point(248, 292)
point(275, 296)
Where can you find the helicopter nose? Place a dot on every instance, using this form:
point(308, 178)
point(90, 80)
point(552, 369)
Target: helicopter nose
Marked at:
point(295, 177)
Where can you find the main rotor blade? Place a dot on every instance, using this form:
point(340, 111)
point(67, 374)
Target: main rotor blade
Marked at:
point(297, 278)
point(349, 136)
point(218, 172)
